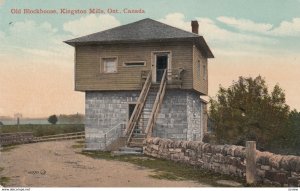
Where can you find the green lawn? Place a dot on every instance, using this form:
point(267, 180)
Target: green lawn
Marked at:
point(169, 170)
point(43, 130)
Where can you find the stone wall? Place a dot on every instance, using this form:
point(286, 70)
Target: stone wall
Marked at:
point(104, 110)
point(280, 170)
point(194, 117)
point(179, 117)
point(227, 159)
point(172, 119)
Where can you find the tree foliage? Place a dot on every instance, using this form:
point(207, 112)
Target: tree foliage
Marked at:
point(247, 111)
point(53, 119)
point(71, 119)
point(294, 130)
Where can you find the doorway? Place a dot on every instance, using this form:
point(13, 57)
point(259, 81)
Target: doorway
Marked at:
point(131, 107)
point(161, 62)
point(161, 65)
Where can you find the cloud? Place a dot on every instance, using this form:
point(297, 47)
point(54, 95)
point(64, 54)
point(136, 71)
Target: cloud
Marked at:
point(245, 24)
point(2, 35)
point(29, 34)
point(285, 28)
point(177, 20)
point(32, 39)
point(90, 24)
point(288, 28)
point(2, 2)
point(221, 40)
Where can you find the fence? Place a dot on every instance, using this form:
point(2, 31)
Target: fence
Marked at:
point(16, 138)
point(57, 137)
point(27, 137)
point(114, 134)
point(245, 162)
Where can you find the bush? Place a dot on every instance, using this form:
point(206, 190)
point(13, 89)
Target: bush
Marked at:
point(52, 119)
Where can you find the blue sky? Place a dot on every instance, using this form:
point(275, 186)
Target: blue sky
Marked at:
point(249, 38)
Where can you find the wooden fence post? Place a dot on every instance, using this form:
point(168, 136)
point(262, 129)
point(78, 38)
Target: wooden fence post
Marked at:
point(251, 162)
point(105, 141)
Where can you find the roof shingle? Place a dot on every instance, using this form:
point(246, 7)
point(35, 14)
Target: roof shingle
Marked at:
point(143, 30)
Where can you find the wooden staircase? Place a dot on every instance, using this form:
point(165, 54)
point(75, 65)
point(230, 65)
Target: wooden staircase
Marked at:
point(144, 116)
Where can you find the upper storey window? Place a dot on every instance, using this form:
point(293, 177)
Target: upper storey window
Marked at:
point(198, 69)
point(204, 72)
point(109, 65)
point(135, 63)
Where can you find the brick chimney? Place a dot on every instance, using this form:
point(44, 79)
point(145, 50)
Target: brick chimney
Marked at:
point(195, 27)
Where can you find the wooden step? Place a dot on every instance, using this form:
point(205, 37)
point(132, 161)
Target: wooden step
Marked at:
point(143, 136)
point(119, 153)
point(136, 149)
point(135, 144)
point(137, 139)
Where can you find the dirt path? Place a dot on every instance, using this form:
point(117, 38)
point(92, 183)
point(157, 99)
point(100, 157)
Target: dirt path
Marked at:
point(55, 164)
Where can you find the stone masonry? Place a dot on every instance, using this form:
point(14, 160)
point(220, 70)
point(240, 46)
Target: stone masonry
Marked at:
point(271, 169)
point(180, 116)
point(104, 110)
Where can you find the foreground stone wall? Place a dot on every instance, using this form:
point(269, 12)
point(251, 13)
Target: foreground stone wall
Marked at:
point(280, 170)
point(273, 169)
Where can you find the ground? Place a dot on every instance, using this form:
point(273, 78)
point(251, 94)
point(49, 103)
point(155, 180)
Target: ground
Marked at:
point(58, 164)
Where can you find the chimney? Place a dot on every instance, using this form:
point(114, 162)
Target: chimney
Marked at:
point(195, 27)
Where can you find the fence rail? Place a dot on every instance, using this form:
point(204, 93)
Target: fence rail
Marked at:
point(58, 137)
point(16, 138)
point(27, 137)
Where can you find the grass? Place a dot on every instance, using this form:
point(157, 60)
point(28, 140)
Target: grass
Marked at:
point(8, 148)
point(78, 145)
point(3, 179)
point(169, 170)
point(165, 175)
point(43, 130)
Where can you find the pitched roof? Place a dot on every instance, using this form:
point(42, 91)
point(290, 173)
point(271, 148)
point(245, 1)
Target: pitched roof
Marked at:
point(141, 31)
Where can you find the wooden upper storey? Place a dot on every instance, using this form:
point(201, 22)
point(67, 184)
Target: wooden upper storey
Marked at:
point(116, 59)
point(90, 74)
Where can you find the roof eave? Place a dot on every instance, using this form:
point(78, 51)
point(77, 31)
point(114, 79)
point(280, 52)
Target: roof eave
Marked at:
point(74, 43)
point(199, 40)
point(70, 43)
point(203, 45)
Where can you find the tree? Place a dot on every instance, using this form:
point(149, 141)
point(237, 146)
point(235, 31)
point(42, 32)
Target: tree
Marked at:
point(52, 119)
point(294, 130)
point(246, 111)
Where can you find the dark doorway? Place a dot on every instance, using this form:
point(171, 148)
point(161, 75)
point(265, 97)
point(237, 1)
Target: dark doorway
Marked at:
point(161, 65)
point(130, 110)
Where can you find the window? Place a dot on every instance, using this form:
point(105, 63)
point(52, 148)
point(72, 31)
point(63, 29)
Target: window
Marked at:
point(204, 72)
point(109, 65)
point(198, 69)
point(135, 63)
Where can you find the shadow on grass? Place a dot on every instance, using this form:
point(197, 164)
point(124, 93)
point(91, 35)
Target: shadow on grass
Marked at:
point(170, 170)
point(79, 144)
point(8, 148)
point(3, 180)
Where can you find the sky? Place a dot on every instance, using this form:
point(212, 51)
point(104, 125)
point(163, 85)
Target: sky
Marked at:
point(248, 38)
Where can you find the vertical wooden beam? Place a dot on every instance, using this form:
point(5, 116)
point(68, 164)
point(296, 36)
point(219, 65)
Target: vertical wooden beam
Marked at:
point(250, 162)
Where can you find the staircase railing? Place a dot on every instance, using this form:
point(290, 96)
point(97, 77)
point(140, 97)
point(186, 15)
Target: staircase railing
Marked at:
point(115, 132)
point(138, 108)
point(156, 106)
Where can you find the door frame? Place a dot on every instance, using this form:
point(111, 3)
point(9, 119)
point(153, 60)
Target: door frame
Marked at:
point(153, 62)
point(128, 107)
